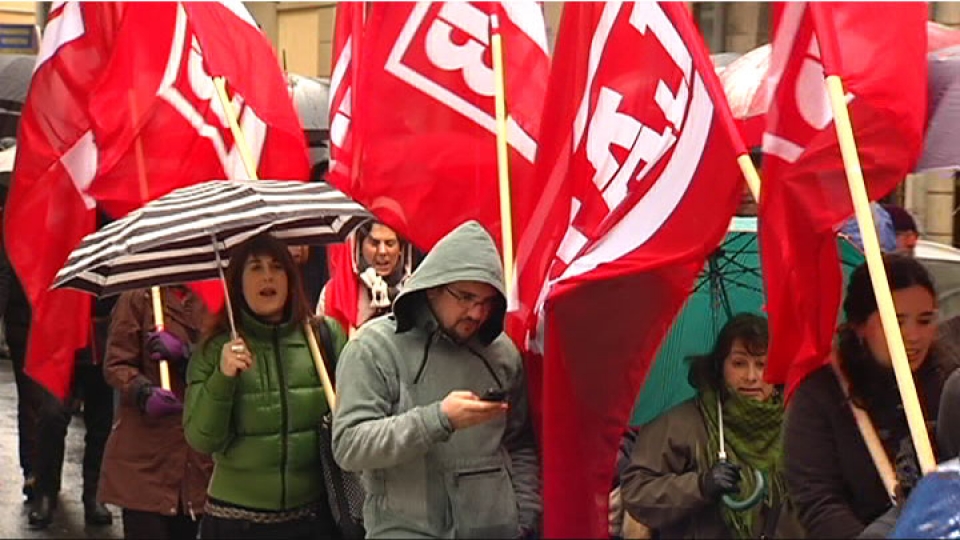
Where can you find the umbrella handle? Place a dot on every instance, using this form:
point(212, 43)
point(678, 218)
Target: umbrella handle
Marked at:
point(753, 499)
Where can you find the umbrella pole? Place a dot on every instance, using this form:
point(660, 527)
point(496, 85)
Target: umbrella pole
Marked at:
point(158, 322)
point(722, 454)
point(226, 290)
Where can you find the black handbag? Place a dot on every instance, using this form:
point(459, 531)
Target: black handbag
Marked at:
point(345, 491)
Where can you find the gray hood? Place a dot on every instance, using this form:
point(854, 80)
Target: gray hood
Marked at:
point(467, 253)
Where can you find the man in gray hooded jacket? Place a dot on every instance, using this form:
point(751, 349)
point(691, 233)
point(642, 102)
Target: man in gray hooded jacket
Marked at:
point(436, 460)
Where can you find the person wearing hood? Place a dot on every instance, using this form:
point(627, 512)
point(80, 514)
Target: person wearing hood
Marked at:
point(379, 266)
point(432, 407)
point(676, 479)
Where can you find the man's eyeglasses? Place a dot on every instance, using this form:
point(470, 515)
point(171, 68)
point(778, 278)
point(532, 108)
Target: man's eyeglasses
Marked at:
point(468, 300)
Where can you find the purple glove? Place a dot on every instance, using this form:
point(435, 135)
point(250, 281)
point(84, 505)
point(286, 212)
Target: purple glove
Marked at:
point(163, 345)
point(162, 403)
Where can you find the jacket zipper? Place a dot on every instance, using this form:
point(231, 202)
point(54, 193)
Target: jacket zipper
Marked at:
point(283, 420)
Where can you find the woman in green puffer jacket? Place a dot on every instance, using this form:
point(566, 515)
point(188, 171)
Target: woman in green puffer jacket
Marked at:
point(255, 402)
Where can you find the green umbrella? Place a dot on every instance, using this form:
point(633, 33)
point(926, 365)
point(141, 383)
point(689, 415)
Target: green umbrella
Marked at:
point(730, 283)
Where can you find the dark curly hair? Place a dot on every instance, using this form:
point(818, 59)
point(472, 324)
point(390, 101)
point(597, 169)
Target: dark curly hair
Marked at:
point(750, 329)
point(857, 362)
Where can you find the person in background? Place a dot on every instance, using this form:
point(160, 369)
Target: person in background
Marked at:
point(905, 229)
point(255, 402)
point(831, 476)
point(16, 319)
point(675, 480)
point(53, 418)
point(881, 220)
point(378, 268)
point(148, 469)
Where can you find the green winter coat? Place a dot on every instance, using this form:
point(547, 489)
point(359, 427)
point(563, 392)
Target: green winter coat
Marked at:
point(423, 479)
point(260, 426)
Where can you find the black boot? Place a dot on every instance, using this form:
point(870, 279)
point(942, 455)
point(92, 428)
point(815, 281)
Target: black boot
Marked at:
point(29, 488)
point(95, 513)
point(41, 515)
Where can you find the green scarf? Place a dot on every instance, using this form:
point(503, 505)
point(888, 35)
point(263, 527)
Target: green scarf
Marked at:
point(752, 431)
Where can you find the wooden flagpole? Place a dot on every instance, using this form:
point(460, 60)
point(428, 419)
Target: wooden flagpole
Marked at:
point(878, 274)
point(144, 196)
point(503, 164)
point(750, 175)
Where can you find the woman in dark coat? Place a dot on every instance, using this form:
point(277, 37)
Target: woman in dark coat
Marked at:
point(148, 468)
point(675, 480)
point(830, 474)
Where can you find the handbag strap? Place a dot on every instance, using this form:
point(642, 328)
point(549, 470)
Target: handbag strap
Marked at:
point(869, 434)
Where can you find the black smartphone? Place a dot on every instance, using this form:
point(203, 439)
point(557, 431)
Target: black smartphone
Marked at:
point(494, 394)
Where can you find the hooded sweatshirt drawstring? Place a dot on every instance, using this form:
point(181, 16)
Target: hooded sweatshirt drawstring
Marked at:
point(426, 352)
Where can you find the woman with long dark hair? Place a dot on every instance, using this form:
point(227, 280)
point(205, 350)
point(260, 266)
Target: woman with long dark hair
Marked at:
point(255, 401)
point(830, 473)
point(675, 482)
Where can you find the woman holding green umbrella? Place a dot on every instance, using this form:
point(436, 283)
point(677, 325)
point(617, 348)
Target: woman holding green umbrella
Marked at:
point(711, 467)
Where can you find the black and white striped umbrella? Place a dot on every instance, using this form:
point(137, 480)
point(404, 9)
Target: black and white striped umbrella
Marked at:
point(177, 238)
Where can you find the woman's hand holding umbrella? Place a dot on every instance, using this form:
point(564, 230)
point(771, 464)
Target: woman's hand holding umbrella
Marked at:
point(235, 358)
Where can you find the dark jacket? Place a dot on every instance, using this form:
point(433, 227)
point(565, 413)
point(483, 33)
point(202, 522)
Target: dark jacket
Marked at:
point(262, 425)
point(948, 422)
point(147, 464)
point(830, 475)
point(661, 487)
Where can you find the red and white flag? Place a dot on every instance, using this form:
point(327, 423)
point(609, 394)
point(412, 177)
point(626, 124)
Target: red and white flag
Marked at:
point(347, 37)
point(119, 88)
point(640, 181)
point(426, 132)
point(805, 195)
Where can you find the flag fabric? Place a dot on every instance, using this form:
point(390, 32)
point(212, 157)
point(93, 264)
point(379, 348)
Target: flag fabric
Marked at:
point(805, 195)
point(120, 88)
point(347, 37)
point(341, 293)
point(639, 182)
point(426, 135)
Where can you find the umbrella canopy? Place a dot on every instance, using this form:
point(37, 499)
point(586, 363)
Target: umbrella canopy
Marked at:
point(312, 99)
point(16, 70)
point(180, 237)
point(744, 82)
point(943, 110)
point(729, 283)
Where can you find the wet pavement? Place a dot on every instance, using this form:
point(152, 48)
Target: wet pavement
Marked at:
point(13, 512)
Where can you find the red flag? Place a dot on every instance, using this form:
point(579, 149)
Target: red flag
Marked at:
point(119, 88)
point(347, 36)
point(426, 133)
point(341, 294)
point(639, 174)
point(805, 195)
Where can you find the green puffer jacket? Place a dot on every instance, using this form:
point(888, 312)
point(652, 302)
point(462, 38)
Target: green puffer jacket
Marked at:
point(261, 426)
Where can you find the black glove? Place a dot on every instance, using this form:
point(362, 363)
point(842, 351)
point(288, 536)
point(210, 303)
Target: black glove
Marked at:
point(908, 469)
point(723, 478)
